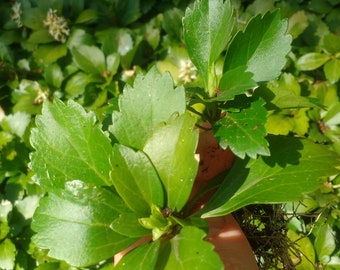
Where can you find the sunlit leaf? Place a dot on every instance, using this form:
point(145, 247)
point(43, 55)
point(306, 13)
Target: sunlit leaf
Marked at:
point(294, 168)
point(69, 145)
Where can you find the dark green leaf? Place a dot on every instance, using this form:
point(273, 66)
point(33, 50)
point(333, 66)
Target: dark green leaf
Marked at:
point(136, 179)
point(141, 258)
point(293, 169)
point(89, 59)
point(234, 82)
point(207, 29)
point(69, 145)
point(75, 224)
point(144, 106)
point(171, 149)
point(263, 40)
point(188, 250)
point(87, 15)
point(243, 132)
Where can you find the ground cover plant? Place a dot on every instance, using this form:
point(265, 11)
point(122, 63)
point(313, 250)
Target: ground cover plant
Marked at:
point(101, 109)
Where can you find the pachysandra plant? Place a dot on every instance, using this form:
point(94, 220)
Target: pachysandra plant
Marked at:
point(108, 188)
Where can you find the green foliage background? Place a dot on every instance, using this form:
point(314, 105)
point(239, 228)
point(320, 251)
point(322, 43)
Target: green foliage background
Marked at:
point(99, 48)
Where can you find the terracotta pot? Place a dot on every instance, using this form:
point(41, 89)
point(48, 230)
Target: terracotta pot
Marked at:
point(224, 232)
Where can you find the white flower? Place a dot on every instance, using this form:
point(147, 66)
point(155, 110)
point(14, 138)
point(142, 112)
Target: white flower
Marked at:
point(57, 26)
point(187, 71)
point(16, 13)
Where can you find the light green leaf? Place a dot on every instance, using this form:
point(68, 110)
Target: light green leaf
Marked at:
point(128, 224)
point(298, 22)
point(332, 70)
point(7, 254)
point(69, 145)
point(307, 260)
point(331, 43)
point(325, 242)
point(141, 258)
point(293, 169)
point(263, 40)
point(136, 179)
point(75, 85)
point(243, 132)
point(188, 250)
point(144, 106)
point(172, 151)
point(16, 123)
point(112, 63)
point(89, 59)
point(311, 61)
point(75, 224)
point(207, 29)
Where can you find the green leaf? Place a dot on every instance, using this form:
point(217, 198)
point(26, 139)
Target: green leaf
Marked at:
point(16, 123)
point(331, 43)
point(89, 59)
point(136, 179)
point(171, 149)
point(75, 224)
point(188, 250)
point(207, 29)
point(325, 242)
point(234, 82)
point(69, 145)
point(54, 75)
point(311, 61)
point(7, 254)
point(48, 54)
point(263, 40)
point(141, 258)
point(128, 224)
point(294, 168)
point(144, 106)
point(305, 246)
point(76, 84)
point(243, 132)
point(87, 15)
point(332, 70)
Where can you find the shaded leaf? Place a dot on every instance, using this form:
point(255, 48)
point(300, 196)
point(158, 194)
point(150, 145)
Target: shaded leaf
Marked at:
point(293, 169)
point(243, 132)
point(172, 151)
point(188, 250)
point(74, 224)
point(144, 106)
point(89, 59)
point(207, 29)
point(69, 145)
point(136, 179)
point(234, 82)
point(325, 242)
point(263, 40)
